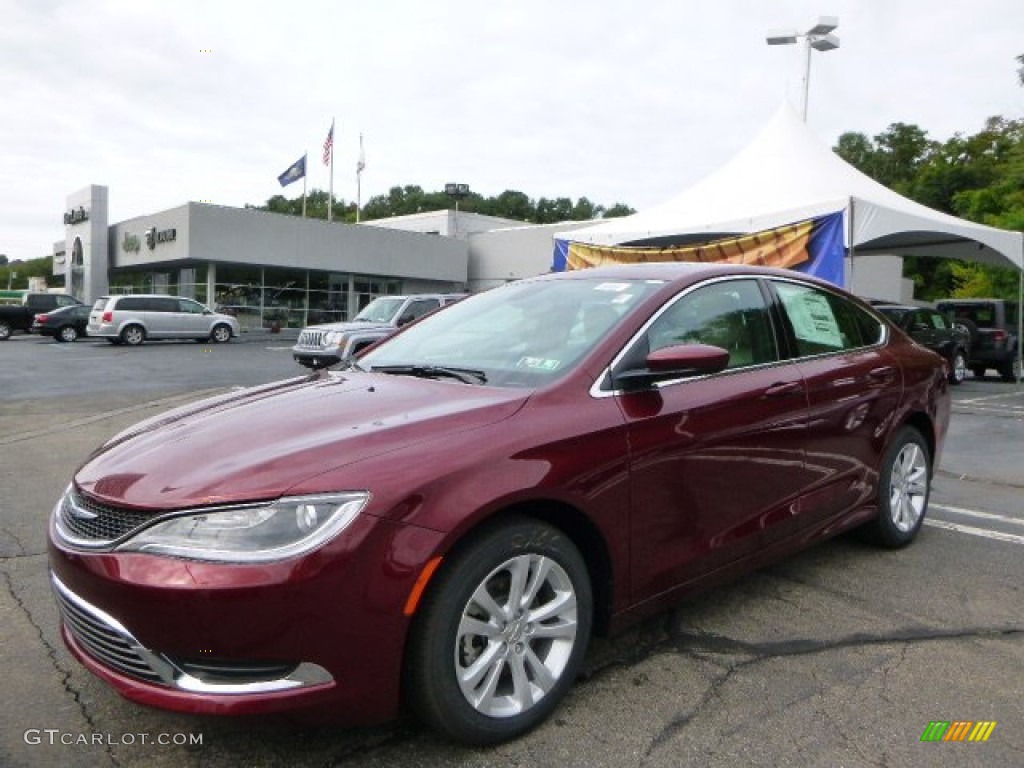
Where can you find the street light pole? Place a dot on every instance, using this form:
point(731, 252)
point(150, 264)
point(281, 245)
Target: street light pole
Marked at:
point(818, 37)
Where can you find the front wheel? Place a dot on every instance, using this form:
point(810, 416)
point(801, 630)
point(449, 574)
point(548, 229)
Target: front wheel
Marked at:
point(904, 484)
point(5, 331)
point(502, 633)
point(220, 334)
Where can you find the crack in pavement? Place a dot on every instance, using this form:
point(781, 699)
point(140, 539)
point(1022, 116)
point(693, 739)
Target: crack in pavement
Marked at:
point(51, 654)
point(759, 652)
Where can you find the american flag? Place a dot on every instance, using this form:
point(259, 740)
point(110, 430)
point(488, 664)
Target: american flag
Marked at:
point(329, 145)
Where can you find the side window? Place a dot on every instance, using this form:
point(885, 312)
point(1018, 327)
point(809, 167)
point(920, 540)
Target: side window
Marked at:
point(417, 309)
point(131, 305)
point(731, 315)
point(65, 301)
point(162, 305)
point(824, 322)
point(189, 306)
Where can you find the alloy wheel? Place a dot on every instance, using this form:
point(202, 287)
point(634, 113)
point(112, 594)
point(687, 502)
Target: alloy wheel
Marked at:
point(908, 487)
point(516, 636)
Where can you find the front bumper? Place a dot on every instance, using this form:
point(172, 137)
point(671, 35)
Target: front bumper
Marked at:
point(321, 636)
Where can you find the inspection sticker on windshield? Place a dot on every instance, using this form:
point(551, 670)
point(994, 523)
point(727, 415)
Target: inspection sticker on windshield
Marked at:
point(539, 363)
point(613, 287)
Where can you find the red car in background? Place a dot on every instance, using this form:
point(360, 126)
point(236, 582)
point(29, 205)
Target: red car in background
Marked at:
point(447, 521)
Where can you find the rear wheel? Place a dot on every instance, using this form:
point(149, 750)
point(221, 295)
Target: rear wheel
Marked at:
point(1010, 371)
point(67, 333)
point(501, 635)
point(903, 488)
point(133, 335)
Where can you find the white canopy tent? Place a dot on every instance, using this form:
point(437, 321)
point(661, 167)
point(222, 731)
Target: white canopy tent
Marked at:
point(786, 175)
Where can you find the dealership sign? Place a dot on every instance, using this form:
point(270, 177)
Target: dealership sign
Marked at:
point(154, 236)
point(131, 243)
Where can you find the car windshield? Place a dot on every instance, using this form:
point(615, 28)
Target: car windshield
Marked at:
point(380, 310)
point(520, 335)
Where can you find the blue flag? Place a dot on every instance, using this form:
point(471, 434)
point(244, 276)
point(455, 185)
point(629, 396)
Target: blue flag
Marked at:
point(294, 173)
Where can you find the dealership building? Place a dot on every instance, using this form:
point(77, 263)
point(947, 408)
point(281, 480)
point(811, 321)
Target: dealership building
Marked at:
point(274, 269)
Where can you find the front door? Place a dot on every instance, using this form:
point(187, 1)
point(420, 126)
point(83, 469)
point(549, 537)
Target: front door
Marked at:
point(714, 460)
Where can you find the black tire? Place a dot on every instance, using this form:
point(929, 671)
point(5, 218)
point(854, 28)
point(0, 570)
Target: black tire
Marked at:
point(958, 367)
point(978, 371)
point(548, 655)
point(904, 485)
point(133, 335)
point(66, 333)
point(1008, 371)
point(5, 331)
point(221, 334)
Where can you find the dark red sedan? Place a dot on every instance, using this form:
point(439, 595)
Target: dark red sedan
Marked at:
point(447, 522)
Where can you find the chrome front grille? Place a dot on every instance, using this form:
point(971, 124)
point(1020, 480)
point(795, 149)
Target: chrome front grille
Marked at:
point(103, 638)
point(84, 522)
point(310, 338)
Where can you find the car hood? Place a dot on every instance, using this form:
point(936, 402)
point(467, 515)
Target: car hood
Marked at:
point(361, 325)
point(258, 443)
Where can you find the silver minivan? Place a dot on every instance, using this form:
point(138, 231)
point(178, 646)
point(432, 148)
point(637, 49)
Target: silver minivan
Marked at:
point(134, 318)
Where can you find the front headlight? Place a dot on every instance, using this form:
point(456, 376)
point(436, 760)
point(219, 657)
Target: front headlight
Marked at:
point(333, 338)
point(252, 533)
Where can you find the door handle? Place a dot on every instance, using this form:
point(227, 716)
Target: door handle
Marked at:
point(785, 389)
point(883, 375)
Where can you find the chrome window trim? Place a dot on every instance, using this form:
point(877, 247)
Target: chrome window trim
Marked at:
point(597, 392)
point(828, 289)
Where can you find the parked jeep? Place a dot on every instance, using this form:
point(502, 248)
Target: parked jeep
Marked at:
point(320, 346)
point(931, 329)
point(18, 315)
point(992, 325)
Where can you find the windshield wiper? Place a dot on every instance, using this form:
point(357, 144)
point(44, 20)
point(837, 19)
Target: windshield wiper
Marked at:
point(465, 375)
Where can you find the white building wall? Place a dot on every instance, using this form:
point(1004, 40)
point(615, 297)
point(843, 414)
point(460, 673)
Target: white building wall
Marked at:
point(503, 255)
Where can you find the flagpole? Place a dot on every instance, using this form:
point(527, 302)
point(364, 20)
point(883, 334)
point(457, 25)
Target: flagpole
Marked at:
point(304, 188)
point(330, 193)
point(359, 178)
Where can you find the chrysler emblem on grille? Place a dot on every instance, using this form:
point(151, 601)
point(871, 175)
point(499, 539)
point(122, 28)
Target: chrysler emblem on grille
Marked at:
point(80, 512)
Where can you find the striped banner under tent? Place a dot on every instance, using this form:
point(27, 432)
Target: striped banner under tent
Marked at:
point(814, 247)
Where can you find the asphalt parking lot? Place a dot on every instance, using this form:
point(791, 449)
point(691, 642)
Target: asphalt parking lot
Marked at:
point(841, 656)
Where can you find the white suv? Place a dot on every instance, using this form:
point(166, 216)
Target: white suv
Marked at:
point(320, 346)
point(134, 318)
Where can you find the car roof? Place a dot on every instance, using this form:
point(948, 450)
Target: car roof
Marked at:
point(673, 271)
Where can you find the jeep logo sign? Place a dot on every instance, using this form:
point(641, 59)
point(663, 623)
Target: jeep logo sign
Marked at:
point(131, 243)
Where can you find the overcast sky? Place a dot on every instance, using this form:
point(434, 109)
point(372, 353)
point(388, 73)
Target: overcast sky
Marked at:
point(210, 100)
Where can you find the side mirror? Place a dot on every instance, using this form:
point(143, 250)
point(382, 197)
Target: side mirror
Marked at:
point(676, 362)
point(405, 319)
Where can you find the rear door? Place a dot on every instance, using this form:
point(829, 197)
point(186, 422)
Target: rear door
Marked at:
point(162, 317)
point(853, 388)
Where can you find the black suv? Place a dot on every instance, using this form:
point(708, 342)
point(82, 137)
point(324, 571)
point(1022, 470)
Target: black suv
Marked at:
point(992, 325)
point(930, 328)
